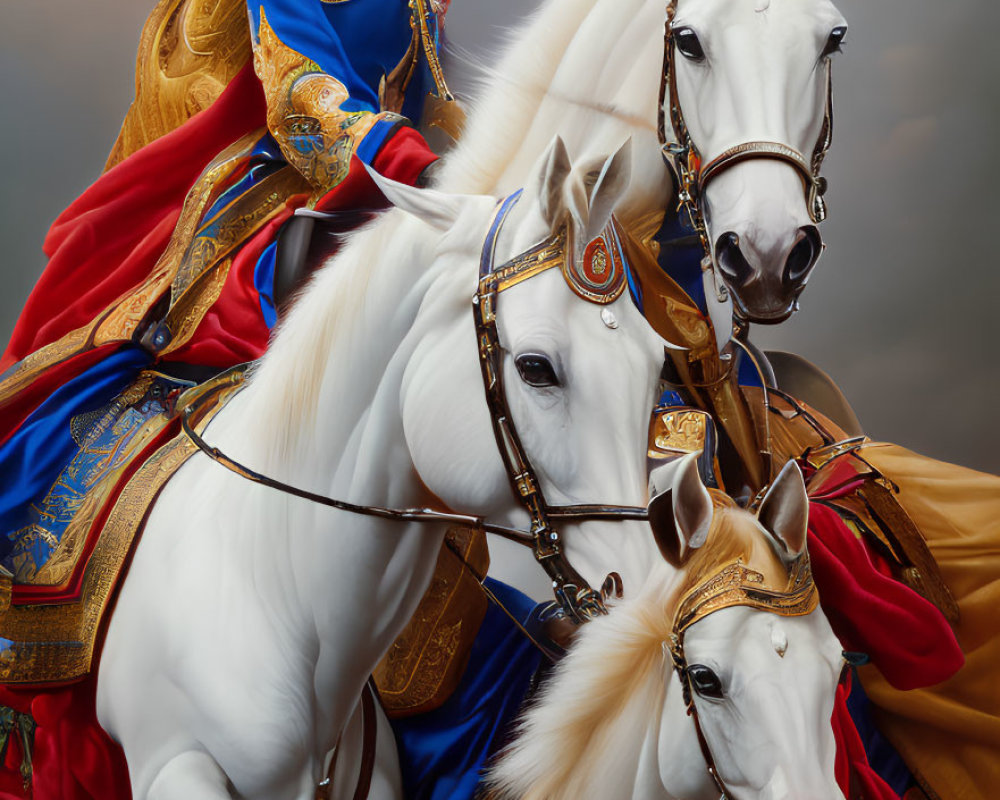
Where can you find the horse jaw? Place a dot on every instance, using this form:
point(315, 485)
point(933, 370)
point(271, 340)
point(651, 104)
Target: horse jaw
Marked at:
point(787, 695)
point(762, 80)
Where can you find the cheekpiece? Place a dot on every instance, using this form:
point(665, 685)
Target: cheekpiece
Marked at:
point(735, 584)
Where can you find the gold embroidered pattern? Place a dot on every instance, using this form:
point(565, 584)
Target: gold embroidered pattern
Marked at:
point(119, 321)
point(304, 112)
point(55, 643)
point(735, 584)
point(188, 53)
point(425, 663)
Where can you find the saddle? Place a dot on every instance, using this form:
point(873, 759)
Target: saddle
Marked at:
point(67, 564)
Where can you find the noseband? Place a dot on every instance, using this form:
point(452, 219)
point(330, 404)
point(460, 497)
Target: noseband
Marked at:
point(692, 176)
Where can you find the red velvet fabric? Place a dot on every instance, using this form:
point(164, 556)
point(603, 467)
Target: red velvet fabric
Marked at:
point(74, 759)
point(109, 239)
point(856, 779)
point(233, 330)
point(906, 636)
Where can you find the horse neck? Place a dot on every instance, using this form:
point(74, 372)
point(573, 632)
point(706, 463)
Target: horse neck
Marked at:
point(555, 78)
point(596, 726)
point(313, 388)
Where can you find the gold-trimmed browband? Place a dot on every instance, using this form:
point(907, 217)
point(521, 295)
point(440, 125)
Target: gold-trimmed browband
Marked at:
point(598, 275)
point(735, 584)
point(549, 253)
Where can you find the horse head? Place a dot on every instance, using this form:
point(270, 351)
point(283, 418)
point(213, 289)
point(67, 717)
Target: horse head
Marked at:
point(575, 360)
point(759, 659)
point(751, 85)
point(725, 637)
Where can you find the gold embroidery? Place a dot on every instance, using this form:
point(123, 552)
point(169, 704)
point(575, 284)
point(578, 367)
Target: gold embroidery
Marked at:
point(188, 53)
point(736, 584)
point(304, 112)
point(425, 663)
point(119, 321)
point(55, 643)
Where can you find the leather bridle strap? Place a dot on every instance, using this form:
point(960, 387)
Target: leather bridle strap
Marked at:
point(577, 599)
point(693, 176)
point(680, 667)
point(369, 745)
point(581, 513)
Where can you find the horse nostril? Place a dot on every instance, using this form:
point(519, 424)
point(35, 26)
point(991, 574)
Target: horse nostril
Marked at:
point(732, 263)
point(802, 257)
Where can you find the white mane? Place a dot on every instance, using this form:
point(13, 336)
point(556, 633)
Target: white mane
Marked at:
point(372, 276)
point(584, 734)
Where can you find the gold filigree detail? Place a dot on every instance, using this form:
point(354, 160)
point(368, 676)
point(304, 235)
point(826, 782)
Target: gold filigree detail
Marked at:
point(678, 432)
point(304, 113)
point(736, 584)
point(425, 663)
point(188, 53)
point(119, 321)
point(55, 643)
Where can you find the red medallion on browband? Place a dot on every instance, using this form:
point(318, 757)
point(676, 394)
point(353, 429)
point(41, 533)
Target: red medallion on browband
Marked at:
point(599, 276)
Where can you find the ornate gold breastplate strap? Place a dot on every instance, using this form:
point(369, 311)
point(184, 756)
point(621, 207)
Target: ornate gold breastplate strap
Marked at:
point(735, 584)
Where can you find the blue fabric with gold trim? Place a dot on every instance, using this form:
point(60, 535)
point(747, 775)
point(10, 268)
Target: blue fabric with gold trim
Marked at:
point(339, 36)
point(442, 753)
point(33, 458)
point(342, 39)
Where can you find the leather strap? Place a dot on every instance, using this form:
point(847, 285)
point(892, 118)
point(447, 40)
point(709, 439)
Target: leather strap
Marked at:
point(369, 743)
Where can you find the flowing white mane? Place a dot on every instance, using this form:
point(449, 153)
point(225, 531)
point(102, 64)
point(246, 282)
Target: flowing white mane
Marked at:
point(584, 733)
point(343, 314)
point(341, 317)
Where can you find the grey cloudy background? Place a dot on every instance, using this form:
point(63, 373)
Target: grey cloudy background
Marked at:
point(902, 310)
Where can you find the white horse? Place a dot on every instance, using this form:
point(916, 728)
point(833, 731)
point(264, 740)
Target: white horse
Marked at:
point(590, 71)
point(250, 620)
point(746, 71)
point(613, 720)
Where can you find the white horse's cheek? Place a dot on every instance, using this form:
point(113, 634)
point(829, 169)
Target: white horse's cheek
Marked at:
point(448, 433)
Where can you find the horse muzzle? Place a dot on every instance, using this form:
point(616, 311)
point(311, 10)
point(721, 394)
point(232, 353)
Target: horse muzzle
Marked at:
point(767, 279)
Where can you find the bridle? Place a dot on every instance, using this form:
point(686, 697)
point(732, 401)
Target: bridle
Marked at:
point(692, 175)
point(734, 584)
point(599, 276)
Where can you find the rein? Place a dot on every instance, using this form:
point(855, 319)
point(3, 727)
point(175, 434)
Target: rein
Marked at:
point(692, 175)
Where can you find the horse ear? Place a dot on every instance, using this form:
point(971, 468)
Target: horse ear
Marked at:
point(784, 513)
point(609, 189)
point(437, 209)
point(555, 169)
point(680, 509)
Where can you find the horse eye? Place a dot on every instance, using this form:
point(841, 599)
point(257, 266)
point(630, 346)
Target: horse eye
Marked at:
point(688, 44)
point(835, 44)
point(705, 682)
point(536, 370)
